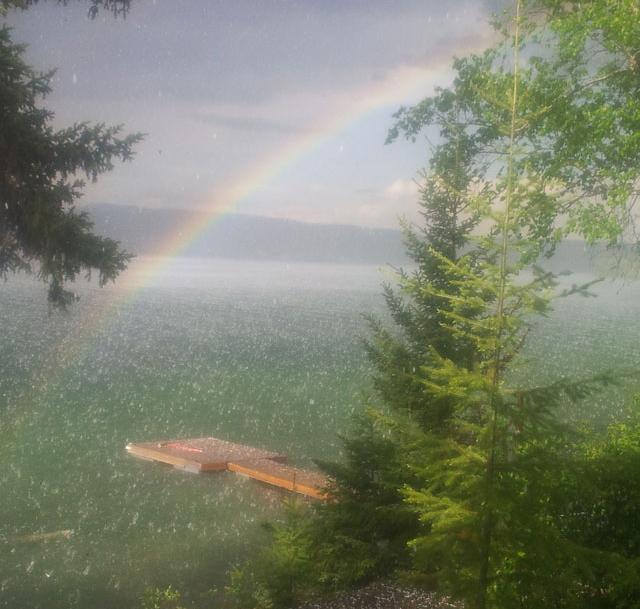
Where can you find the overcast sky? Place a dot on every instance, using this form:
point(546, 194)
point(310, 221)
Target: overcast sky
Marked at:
point(287, 102)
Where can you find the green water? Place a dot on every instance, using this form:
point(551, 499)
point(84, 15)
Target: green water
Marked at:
point(266, 354)
point(263, 354)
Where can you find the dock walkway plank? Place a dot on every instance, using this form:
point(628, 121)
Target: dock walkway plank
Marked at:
point(284, 476)
point(199, 454)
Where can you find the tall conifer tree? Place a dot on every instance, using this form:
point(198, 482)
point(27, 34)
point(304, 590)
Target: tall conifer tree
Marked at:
point(369, 519)
point(449, 210)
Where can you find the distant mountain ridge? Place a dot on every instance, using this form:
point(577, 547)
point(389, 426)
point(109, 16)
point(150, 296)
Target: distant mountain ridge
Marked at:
point(144, 231)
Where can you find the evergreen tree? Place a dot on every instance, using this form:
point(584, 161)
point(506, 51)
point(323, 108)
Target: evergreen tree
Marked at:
point(40, 229)
point(370, 524)
point(362, 534)
point(449, 209)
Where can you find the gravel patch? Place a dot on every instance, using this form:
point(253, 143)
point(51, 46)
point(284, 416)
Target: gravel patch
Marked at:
point(384, 596)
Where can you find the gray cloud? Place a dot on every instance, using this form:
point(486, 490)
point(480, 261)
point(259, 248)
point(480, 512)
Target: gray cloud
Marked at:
point(247, 123)
point(241, 51)
point(222, 85)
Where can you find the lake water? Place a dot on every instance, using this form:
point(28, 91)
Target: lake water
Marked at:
point(261, 353)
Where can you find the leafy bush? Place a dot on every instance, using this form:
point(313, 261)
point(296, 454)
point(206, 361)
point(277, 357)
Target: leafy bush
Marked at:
point(158, 598)
point(602, 495)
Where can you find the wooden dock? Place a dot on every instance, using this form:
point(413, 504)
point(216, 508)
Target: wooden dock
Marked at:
point(200, 454)
point(293, 479)
point(213, 454)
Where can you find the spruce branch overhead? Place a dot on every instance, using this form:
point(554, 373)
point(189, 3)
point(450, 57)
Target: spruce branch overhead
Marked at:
point(41, 231)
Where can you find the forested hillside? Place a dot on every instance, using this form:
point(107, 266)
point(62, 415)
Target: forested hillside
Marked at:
point(239, 236)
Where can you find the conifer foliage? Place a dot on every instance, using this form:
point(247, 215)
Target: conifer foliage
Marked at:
point(40, 182)
point(366, 530)
point(115, 7)
point(449, 209)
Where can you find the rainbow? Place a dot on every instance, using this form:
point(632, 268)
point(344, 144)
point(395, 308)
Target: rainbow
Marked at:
point(406, 85)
